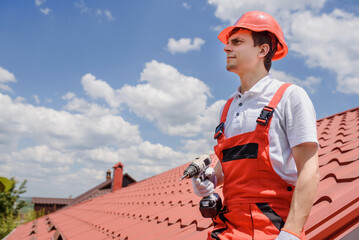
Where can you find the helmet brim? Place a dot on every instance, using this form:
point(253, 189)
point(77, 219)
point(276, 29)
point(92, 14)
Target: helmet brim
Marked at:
point(282, 48)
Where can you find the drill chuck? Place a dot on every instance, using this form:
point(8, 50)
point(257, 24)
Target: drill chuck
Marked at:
point(197, 167)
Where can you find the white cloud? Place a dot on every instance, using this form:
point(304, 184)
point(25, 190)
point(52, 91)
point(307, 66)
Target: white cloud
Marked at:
point(45, 11)
point(61, 129)
point(98, 89)
point(42, 145)
point(90, 109)
point(98, 13)
point(311, 83)
point(103, 154)
point(71, 147)
point(334, 48)
point(230, 10)
point(349, 85)
point(41, 154)
point(175, 102)
point(184, 45)
point(5, 88)
point(39, 3)
point(6, 76)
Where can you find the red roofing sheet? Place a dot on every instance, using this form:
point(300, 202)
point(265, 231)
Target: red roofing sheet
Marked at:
point(162, 207)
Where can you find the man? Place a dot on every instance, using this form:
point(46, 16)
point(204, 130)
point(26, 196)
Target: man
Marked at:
point(267, 141)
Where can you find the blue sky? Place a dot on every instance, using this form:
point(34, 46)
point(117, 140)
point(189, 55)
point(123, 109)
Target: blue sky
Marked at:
point(85, 84)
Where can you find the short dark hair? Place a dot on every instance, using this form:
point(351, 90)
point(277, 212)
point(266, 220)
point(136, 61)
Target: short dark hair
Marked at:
point(260, 38)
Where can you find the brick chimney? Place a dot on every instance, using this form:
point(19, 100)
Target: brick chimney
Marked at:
point(108, 175)
point(117, 176)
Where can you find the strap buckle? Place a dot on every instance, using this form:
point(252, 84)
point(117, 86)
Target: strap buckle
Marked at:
point(265, 115)
point(219, 130)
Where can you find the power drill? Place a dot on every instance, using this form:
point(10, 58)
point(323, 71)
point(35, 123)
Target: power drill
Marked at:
point(211, 205)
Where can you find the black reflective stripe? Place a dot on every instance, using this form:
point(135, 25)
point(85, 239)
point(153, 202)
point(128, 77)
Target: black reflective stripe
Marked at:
point(249, 150)
point(277, 221)
point(215, 233)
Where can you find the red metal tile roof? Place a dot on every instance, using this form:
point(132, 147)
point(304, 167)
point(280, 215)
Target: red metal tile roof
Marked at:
point(162, 207)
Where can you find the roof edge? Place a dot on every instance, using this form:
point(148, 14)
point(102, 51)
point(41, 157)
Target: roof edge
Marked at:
point(337, 114)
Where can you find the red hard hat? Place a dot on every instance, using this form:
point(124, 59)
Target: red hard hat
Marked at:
point(259, 21)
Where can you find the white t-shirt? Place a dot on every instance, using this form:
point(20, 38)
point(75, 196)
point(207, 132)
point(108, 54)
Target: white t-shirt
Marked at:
point(293, 121)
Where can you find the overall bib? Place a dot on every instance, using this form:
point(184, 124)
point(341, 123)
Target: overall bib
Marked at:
point(256, 199)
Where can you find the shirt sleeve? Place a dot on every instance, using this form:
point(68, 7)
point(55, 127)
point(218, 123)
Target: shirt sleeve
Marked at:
point(300, 118)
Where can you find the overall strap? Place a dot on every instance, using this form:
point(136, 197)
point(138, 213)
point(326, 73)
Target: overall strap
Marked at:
point(220, 128)
point(268, 110)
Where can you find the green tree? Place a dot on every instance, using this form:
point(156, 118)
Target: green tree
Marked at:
point(10, 207)
point(5, 184)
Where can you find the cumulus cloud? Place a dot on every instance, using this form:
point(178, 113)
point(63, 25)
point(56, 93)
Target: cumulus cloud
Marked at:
point(334, 48)
point(230, 10)
point(82, 106)
point(51, 143)
point(184, 45)
point(77, 145)
point(97, 89)
point(61, 129)
point(175, 102)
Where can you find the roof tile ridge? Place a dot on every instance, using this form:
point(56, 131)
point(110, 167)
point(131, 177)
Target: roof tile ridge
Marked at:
point(195, 222)
point(339, 180)
point(337, 161)
point(327, 218)
point(323, 199)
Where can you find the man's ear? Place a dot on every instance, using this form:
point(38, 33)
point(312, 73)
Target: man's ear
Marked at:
point(264, 49)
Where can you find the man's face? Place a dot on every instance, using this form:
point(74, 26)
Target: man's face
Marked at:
point(242, 56)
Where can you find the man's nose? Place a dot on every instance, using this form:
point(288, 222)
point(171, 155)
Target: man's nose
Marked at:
point(227, 48)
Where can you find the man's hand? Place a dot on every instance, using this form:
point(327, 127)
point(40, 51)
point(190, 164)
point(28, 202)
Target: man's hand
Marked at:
point(205, 188)
point(284, 235)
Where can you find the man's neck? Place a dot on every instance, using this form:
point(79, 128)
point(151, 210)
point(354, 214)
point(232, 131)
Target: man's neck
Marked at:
point(248, 80)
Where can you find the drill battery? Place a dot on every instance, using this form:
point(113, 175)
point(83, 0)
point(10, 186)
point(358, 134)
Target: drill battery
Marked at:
point(210, 206)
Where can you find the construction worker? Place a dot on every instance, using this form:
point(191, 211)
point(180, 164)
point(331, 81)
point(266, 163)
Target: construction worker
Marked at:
point(267, 141)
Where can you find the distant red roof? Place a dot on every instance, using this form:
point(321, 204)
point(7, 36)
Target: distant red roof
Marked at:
point(59, 201)
point(162, 207)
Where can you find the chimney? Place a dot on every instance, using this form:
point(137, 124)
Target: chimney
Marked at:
point(117, 177)
point(108, 175)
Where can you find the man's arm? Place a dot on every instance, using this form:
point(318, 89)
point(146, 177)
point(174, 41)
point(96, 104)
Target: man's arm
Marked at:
point(306, 159)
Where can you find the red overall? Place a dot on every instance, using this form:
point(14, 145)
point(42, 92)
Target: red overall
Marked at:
point(256, 199)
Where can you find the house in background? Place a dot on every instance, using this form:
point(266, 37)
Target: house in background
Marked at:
point(49, 205)
point(162, 207)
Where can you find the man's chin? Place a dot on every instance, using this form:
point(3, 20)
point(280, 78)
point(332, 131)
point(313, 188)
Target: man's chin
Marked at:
point(230, 68)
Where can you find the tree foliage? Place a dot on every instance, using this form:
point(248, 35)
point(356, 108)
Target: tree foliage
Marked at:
point(10, 207)
point(5, 184)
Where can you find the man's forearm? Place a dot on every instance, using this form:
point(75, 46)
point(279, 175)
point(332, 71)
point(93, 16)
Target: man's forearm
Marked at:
point(306, 188)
